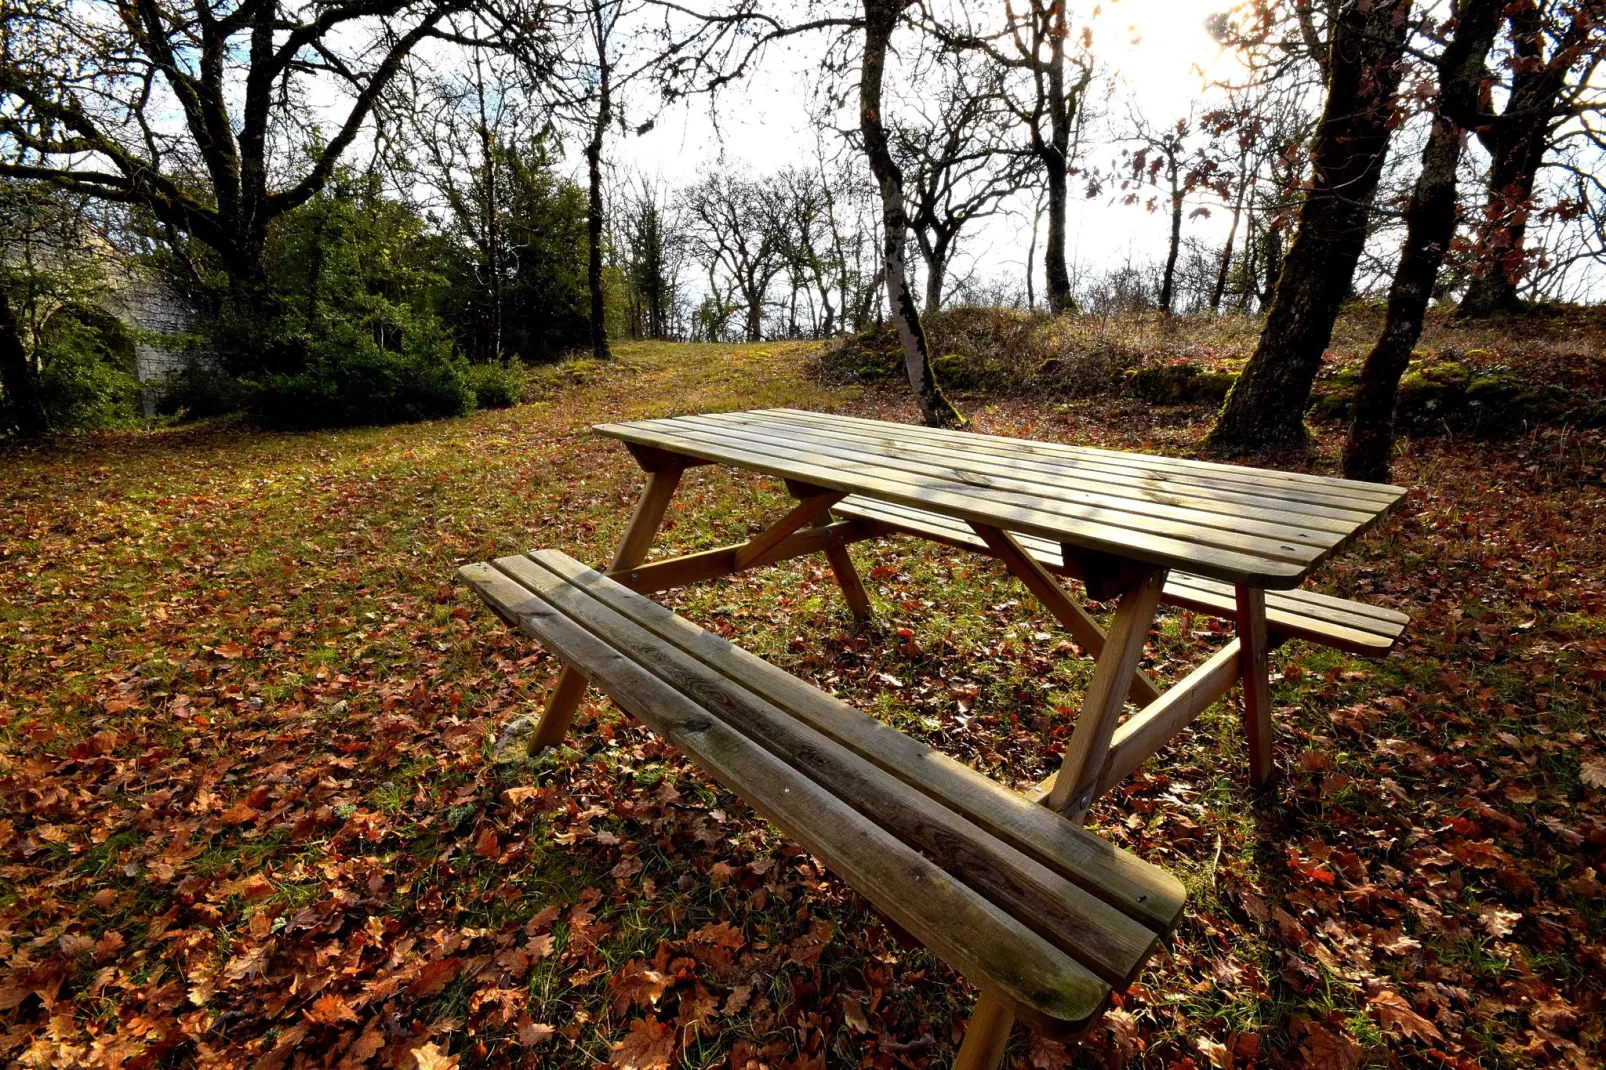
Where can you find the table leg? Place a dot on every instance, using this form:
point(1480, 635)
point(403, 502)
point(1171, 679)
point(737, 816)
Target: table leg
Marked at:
point(1077, 779)
point(1255, 673)
point(1047, 590)
point(847, 578)
point(566, 694)
point(986, 1035)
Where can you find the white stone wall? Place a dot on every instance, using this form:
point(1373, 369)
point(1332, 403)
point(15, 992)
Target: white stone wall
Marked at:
point(154, 309)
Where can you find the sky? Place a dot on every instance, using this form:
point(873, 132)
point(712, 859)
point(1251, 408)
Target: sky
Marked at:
point(1160, 48)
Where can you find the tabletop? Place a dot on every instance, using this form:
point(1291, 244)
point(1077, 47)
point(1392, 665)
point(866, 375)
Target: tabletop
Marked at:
point(1253, 527)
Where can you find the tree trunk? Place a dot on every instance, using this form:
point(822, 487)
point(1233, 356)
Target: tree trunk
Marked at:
point(24, 405)
point(1430, 222)
point(1168, 282)
point(599, 318)
point(492, 223)
point(1517, 141)
point(880, 17)
point(1226, 253)
point(1500, 260)
point(1429, 227)
point(1266, 408)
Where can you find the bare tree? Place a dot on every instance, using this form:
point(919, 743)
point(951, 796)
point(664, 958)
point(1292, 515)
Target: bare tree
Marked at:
point(738, 233)
point(952, 140)
point(881, 18)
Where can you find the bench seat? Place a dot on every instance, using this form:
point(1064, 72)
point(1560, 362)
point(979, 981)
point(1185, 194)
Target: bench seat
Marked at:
point(1353, 627)
point(1035, 911)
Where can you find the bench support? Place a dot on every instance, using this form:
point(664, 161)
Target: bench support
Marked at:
point(662, 480)
point(1077, 780)
point(986, 1035)
point(1254, 670)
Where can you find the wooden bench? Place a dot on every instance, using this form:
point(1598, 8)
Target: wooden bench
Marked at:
point(1042, 917)
point(1353, 627)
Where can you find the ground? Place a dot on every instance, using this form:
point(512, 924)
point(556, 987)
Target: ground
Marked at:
point(248, 814)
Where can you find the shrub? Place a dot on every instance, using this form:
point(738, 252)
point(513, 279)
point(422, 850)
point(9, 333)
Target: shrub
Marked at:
point(87, 378)
point(351, 380)
point(497, 386)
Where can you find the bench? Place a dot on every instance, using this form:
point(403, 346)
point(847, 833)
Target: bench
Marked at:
point(1353, 627)
point(1043, 918)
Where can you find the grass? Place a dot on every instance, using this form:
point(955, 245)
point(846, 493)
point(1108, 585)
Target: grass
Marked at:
point(248, 814)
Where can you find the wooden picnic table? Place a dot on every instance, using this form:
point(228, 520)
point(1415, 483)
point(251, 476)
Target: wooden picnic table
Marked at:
point(1123, 523)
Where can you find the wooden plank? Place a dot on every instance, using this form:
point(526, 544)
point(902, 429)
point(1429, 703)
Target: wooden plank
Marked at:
point(1081, 924)
point(1290, 542)
point(564, 700)
point(711, 564)
point(1073, 788)
point(978, 938)
point(1141, 891)
point(1047, 590)
point(1080, 482)
point(1148, 730)
point(805, 512)
point(1160, 466)
point(1232, 566)
point(1254, 670)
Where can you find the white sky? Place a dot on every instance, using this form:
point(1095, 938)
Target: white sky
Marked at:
point(1158, 46)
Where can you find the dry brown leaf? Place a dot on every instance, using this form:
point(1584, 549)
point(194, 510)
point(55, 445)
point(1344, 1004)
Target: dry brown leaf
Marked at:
point(649, 1045)
point(1394, 1011)
point(430, 1057)
point(636, 984)
point(330, 1009)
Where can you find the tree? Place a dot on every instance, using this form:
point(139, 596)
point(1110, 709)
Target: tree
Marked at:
point(1163, 158)
point(738, 234)
point(1554, 48)
point(197, 114)
point(1049, 104)
point(957, 164)
point(654, 249)
point(881, 17)
point(1430, 224)
point(1266, 407)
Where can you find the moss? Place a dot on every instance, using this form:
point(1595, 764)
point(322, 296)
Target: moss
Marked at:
point(1432, 393)
point(1180, 383)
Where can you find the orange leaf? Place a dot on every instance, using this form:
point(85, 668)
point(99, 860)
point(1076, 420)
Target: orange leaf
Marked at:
point(650, 1045)
point(434, 977)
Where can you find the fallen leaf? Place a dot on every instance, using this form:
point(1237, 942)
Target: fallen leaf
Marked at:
point(429, 1057)
point(636, 984)
point(434, 977)
point(330, 1009)
point(1394, 1011)
point(649, 1045)
point(1497, 922)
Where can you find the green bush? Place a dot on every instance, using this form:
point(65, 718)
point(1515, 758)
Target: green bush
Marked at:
point(351, 380)
point(87, 378)
point(497, 386)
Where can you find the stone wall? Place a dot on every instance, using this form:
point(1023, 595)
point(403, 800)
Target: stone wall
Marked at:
point(155, 310)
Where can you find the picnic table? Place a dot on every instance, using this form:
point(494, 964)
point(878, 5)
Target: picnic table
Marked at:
point(1044, 917)
point(1122, 523)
